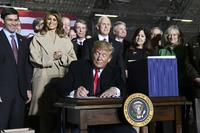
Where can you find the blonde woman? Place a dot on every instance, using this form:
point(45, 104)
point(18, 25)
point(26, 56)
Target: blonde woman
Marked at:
point(174, 46)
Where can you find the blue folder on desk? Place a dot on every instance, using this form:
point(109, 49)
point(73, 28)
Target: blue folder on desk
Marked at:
point(154, 76)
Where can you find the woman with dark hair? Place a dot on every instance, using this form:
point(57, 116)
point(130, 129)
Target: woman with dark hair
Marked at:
point(139, 49)
point(141, 46)
point(47, 25)
point(51, 52)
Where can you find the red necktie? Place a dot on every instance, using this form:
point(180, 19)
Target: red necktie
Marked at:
point(14, 47)
point(95, 81)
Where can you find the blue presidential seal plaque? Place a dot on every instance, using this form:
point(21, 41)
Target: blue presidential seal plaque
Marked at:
point(138, 109)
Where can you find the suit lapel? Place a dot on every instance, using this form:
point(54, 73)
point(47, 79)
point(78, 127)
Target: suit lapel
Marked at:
point(89, 78)
point(45, 42)
point(105, 78)
point(91, 87)
point(110, 40)
point(20, 49)
point(96, 38)
point(5, 42)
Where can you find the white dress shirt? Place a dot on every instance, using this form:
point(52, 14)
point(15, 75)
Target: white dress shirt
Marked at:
point(80, 42)
point(7, 33)
point(100, 71)
point(102, 38)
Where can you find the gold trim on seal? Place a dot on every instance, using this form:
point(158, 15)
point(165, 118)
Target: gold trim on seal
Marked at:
point(149, 114)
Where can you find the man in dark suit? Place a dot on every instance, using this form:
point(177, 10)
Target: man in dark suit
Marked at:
point(80, 81)
point(193, 73)
point(120, 32)
point(103, 26)
point(81, 29)
point(14, 86)
point(66, 25)
point(156, 36)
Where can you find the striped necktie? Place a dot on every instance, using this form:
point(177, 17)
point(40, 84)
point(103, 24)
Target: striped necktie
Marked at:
point(14, 47)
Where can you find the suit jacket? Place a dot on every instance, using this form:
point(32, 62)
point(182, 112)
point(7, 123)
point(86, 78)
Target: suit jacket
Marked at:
point(117, 58)
point(193, 62)
point(77, 48)
point(193, 67)
point(13, 77)
point(81, 74)
point(125, 45)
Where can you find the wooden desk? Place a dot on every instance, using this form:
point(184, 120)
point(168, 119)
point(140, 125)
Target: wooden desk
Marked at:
point(85, 112)
point(168, 108)
point(105, 111)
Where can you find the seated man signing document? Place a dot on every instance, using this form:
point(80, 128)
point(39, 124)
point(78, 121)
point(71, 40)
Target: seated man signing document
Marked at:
point(96, 77)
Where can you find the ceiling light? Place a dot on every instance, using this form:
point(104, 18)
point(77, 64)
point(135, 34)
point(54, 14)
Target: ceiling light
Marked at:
point(124, 1)
point(21, 8)
point(183, 20)
point(107, 15)
point(16, 8)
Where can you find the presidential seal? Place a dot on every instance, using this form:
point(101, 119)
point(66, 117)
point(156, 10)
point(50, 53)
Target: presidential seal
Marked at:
point(138, 109)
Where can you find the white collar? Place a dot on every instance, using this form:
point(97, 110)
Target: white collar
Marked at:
point(100, 71)
point(101, 38)
point(79, 41)
point(119, 39)
point(9, 33)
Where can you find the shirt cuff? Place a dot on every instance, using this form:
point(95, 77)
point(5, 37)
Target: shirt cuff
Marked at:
point(71, 94)
point(118, 92)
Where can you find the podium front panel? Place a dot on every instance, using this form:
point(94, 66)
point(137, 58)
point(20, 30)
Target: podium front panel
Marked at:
point(154, 76)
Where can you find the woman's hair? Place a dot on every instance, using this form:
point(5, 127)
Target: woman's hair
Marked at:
point(147, 44)
point(169, 31)
point(59, 28)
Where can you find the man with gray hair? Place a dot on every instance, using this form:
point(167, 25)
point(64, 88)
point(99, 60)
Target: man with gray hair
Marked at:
point(66, 24)
point(120, 33)
point(81, 29)
point(156, 37)
point(37, 24)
